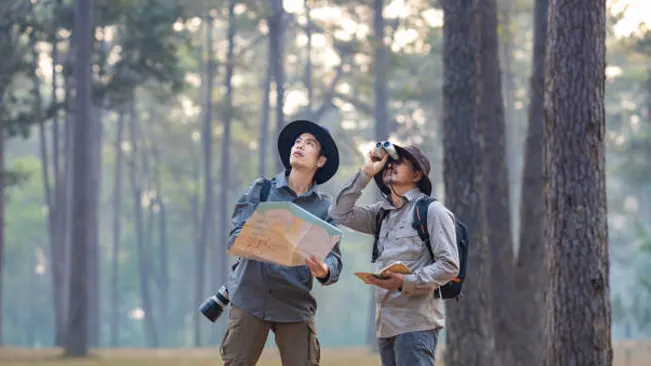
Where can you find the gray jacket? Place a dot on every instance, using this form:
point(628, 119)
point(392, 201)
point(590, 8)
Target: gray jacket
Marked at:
point(274, 292)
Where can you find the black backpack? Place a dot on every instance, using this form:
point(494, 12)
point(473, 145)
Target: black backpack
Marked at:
point(452, 289)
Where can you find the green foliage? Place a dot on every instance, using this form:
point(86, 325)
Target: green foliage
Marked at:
point(15, 105)
point(148, 49)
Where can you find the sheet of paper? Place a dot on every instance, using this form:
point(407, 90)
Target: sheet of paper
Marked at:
point(285, 234)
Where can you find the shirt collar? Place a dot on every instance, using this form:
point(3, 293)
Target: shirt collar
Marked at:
point(281, 182)
point(410, 195)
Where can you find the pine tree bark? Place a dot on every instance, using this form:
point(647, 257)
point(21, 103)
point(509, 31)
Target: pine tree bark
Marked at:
point(468, 340)
point(578, 328)
point(77, 330)
point(497, 209)
point(530, 275)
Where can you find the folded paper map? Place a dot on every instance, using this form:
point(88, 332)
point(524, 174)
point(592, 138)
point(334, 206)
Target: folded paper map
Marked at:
point(284, 233)
point(396, 267)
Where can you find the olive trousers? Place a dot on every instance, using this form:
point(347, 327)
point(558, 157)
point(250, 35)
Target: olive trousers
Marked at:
point(246, 336)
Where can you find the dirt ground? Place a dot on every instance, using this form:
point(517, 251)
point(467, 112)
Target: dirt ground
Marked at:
point(627, 353)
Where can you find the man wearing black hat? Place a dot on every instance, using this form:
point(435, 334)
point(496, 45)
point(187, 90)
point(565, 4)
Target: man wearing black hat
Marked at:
point(408, 314)
point(272, 297)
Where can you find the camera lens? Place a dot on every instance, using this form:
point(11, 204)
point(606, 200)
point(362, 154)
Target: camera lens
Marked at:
point(214, 306)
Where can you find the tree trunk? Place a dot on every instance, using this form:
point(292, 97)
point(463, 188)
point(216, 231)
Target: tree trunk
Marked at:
point(49, 201)
point(381, 115)
point(263, 148)
point(380, 73)
point(164, 261)
point(94, 303)
point(308, 57)
point(648, 91)
point(578, 328)
point(77, 330)
point(2, 222)
point(468, 339)
point(497, 210)
point(221, 261)
point(117, 232)
point(56, 211)
point(66, 194)
point(143, 262)
point(530, 276)
point(208, 208)
point(277, 34)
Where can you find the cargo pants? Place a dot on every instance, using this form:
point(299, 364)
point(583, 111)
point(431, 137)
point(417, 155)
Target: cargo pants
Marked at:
point(246, 336)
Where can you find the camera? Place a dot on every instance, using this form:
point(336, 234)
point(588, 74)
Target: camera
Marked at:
point(384, 147)
point(214, 306)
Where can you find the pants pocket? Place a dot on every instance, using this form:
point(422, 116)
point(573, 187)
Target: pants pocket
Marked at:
point(314, 347)
point(227, 340)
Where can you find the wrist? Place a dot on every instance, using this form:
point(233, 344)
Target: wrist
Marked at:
point(325, 277)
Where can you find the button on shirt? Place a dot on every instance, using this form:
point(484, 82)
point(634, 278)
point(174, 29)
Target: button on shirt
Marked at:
point(274, 292)
point(414, 308)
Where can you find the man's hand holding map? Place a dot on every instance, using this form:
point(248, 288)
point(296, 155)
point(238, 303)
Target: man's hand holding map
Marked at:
point(285, 234)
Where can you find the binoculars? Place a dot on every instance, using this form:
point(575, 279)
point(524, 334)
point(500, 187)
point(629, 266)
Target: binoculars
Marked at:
point(385, 147)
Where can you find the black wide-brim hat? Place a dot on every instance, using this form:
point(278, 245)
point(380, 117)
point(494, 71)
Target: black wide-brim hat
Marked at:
point(420, 161)
point(328, 147)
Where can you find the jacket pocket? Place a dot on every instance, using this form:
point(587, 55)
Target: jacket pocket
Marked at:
point(405, 244)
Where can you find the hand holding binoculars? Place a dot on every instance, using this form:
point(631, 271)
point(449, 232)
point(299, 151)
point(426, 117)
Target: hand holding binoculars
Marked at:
point(385, 147)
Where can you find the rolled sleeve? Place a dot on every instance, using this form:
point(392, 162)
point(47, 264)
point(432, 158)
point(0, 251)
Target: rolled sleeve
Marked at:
point(442, 231)
point(334, 262)
point(344, 211)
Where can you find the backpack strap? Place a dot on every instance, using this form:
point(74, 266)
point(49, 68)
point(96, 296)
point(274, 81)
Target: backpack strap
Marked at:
point(379, 217)
point(264, 195)
point(420, 221)
point(266, 188)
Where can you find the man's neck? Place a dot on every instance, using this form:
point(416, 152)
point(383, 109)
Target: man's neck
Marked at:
point(300, 181)
point(397, 193)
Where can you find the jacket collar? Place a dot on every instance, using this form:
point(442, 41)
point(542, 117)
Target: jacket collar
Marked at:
point(281, 182)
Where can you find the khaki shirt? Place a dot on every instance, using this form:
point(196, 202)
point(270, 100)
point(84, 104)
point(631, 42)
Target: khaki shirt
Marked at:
point(414, 308)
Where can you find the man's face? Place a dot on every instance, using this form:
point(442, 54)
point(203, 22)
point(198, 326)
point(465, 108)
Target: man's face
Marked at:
point(401, 173)
point(306, 153)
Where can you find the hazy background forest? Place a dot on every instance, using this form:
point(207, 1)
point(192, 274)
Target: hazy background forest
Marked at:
point(187, 99)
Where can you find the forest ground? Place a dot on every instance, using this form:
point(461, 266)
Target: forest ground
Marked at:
point(627, 353)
